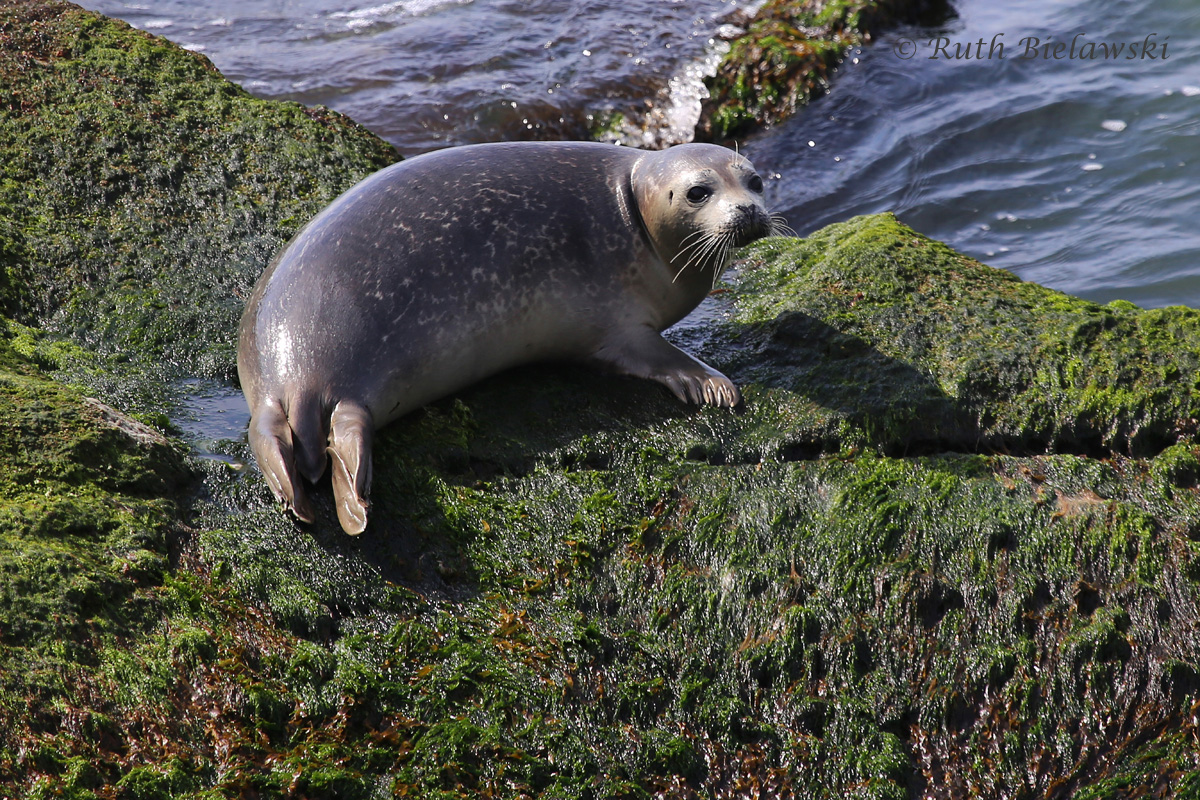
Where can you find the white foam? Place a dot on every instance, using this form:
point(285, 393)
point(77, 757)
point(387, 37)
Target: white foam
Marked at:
point(1115, 125)
point(156, 24)
point(368, 13)
point(363, 17)
point(687, 91)
point(1191, 91)
point(674, 118)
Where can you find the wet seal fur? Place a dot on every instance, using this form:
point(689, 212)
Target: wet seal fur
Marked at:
point(443, 269)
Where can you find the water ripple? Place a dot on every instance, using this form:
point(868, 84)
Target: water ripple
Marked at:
point(1082, 175)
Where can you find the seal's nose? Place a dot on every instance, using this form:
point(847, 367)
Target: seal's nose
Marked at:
point(751, 223)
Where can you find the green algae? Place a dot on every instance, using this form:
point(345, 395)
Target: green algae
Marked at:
point(627, 602)
point(679, 599)
point(142, 193)
point(85, 521)
point(948, 545)
point(787, 56)
point(920, 347)
point(797, 624)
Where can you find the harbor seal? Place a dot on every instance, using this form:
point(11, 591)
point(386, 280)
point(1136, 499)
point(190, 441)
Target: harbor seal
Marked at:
point(448, 267)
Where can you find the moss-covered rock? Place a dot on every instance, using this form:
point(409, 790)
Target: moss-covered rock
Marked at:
point(787, 54)
point(912, 347)
point(140, 192)
point(947, 548)
point(874, 581)
point(87, 513)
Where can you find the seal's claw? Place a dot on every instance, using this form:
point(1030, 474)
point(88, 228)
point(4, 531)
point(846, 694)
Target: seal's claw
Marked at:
point(717, 390)
point(725, 392)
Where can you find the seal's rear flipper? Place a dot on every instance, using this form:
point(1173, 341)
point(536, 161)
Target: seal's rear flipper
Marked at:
point(271, 441)
point(350, 432)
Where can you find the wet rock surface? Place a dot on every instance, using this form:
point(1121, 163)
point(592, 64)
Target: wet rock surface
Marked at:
point(947, 547)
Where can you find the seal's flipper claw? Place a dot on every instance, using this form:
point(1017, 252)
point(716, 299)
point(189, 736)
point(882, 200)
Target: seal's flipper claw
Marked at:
point(350, 432)
point(646, 354)
point(271, 440)
point(301, 508)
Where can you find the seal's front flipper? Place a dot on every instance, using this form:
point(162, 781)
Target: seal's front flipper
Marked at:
point(271, 440)
point(350, 432)
point(644, 353)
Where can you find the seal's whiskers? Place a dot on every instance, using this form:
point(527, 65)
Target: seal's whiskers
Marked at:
point(698, 248)
point(723, 258)
point(712, 246)
point(779, 226)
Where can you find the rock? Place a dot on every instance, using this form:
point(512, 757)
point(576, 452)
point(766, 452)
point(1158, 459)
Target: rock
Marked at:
point(787, 56)
point(948, 546)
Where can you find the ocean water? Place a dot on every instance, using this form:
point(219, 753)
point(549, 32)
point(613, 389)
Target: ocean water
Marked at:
point(1080, 173)
point(425, 74)
point(1073, 170)
point(1069, 168)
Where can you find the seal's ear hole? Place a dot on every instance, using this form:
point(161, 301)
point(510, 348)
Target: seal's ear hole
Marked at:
point(698, 194)
point(756, 184)
point(670, 195)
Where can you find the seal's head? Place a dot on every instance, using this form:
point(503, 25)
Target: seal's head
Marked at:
point(698, 203)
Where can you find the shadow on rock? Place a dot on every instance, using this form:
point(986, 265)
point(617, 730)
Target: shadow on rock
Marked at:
point(892, 405)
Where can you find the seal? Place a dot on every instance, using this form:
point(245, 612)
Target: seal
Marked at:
point(448, 267)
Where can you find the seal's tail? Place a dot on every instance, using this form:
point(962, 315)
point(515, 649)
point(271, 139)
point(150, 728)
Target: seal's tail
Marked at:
point(350, 432)
point(274, 449)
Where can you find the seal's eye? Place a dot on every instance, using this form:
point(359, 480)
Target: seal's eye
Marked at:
point(698, 194)
point(756, 184)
